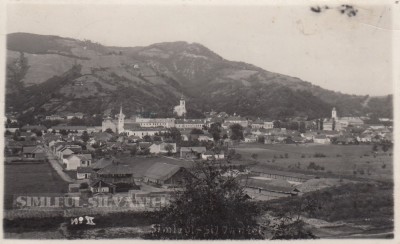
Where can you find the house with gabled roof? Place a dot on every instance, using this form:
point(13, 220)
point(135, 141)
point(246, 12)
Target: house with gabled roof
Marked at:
point(117, 173)
point(35, 152)
point(99, 186)
point(68, 150)
point(83, 173)
point(74, 161)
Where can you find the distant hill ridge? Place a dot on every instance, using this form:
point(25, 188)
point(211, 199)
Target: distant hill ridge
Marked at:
point(46, 74)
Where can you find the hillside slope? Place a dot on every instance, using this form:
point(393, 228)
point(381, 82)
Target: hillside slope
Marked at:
point(46, 74)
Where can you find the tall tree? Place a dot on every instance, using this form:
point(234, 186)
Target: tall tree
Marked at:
point(85, 136)
point(215, 131)
point(175, 134)
point(169, 148)
point(210, 207)
point(237, 132)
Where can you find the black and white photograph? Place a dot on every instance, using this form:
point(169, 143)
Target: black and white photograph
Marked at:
point(199, 120)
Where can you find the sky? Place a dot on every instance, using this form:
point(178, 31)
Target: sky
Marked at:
point(348, 54)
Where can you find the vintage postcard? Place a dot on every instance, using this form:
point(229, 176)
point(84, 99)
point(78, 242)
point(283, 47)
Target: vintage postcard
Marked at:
point(199, 120)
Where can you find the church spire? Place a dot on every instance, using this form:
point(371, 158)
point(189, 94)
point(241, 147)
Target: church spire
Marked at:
point(121, 121)
point(334, 113)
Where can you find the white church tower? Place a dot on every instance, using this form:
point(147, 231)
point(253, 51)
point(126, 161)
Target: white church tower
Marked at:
point(180, 110)
point(334, 114)
point(121, 121)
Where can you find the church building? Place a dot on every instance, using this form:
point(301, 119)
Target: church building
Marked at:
point(116, 125)
point(134, 124)
point(180, 110)
point(339, 123)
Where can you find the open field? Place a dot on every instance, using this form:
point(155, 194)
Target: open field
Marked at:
point(357, 160)
point(31, 178)
point(353, 210)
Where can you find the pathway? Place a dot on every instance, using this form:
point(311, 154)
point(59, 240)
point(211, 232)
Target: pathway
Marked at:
point(57, 167)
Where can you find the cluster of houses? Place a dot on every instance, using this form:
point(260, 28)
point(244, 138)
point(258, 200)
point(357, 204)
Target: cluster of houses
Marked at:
point(162, 163)
point(336, 130)
point(138, 126)
point(119, 175)
point(123, 174)
point(354, 135)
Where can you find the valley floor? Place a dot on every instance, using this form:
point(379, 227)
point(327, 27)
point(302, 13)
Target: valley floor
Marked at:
point(361, 206)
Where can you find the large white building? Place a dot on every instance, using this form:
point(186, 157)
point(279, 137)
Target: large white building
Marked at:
point(339, 123)
point(190, 123)
point(121, 124)
point(155, 122)
point(180, 110)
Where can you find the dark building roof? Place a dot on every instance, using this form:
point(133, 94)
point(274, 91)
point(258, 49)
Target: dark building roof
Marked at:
point(103, 162)
point(162, 171)
point(131, 126)
point(102, 183)
point(83, 170)
point(30, 149)
point(117, 168)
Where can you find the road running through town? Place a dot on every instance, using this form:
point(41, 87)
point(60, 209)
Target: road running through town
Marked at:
point(57, 167)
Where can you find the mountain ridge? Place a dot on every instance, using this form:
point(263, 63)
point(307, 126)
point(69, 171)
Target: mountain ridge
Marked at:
point(155, 76)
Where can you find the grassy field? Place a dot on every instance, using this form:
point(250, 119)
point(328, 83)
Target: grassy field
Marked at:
point(31, 178)
point(355, 160)
point(359, 209)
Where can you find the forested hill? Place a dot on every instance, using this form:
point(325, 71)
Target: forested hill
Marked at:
point(48, 74)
